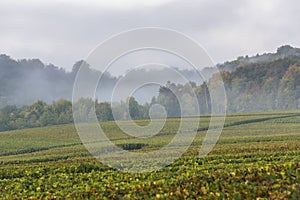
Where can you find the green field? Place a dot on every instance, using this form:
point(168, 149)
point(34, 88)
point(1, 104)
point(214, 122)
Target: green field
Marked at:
point(256, 156)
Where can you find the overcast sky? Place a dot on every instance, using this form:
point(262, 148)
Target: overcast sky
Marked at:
point(64, 31)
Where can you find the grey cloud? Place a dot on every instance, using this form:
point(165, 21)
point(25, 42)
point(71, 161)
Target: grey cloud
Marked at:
point(63, 33)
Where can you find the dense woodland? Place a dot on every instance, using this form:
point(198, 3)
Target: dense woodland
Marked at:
point(272, 84)
point(23, 82)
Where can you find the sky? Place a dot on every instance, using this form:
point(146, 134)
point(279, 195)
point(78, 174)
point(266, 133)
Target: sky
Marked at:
point(62, 32)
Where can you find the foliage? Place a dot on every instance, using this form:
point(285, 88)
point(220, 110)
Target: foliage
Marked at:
point(60, 112)
point(252, 87)
point(257, 157)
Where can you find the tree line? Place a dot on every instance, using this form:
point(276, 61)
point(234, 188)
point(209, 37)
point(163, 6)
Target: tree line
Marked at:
point(60, 112)
point(41, 114)
point(271, 85)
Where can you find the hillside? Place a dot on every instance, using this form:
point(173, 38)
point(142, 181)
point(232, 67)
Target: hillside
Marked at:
point(282, 52)
point(273, 85)
point(268, 82)
point(25, 81)
point(263, 82)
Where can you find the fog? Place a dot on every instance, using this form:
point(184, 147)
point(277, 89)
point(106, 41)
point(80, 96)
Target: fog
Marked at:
point(26, 81)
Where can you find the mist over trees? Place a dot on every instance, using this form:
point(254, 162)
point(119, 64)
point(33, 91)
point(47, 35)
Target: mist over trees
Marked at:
point(271, 85)
point(29, 86)
point(24, 81)
point(266, 86)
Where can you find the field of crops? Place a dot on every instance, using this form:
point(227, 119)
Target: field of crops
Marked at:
point(257, 156)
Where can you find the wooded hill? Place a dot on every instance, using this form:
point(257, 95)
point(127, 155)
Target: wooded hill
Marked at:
point(264, 82)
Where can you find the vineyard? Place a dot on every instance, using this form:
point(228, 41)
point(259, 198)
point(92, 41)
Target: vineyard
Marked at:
point(256, 157)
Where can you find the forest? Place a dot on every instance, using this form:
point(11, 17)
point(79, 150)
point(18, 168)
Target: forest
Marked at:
point(271, 84)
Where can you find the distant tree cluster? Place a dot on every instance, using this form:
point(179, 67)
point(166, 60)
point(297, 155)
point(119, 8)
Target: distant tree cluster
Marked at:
point(41, 114)
point(36, 115)
point(22, 82)
point(266, 86)
point(252, 86)
point(60, 112)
